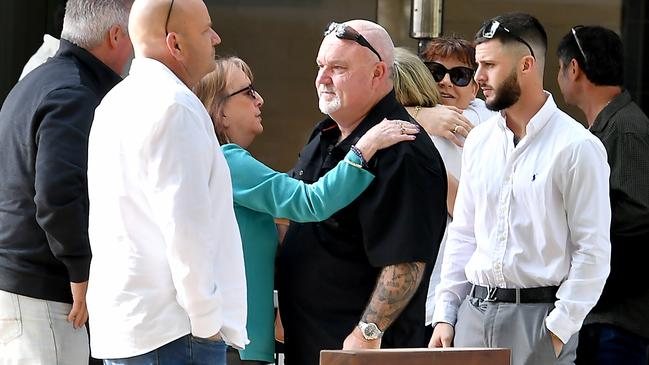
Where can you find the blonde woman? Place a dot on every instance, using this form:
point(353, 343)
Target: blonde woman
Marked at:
point(415, 88)
point(261, 193)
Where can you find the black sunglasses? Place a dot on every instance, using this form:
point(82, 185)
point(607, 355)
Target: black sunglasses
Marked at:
point(460, 75)
point(168, 14)
point(343, 31)
point(581, 49)
point(249, 90)
point(490, 29)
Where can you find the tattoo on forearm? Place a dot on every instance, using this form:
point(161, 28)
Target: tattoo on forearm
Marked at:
point(394, 289)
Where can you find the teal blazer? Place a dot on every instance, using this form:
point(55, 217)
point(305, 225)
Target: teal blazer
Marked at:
point(261, 194)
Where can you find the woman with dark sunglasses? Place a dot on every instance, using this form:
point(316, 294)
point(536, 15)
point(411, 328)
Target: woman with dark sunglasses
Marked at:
point(451, 61)
point(260, 193)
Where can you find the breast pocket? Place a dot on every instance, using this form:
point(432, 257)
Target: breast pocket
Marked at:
point(10, 320)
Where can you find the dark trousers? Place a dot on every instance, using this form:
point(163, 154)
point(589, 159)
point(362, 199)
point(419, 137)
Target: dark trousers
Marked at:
point(604, 344)
point(235, 359)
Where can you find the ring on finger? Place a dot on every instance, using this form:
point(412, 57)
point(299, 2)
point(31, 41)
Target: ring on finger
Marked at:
point(457, 126)
point(403, 130)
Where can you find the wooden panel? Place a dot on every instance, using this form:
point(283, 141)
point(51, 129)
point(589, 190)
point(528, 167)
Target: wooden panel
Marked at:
point(448, 356)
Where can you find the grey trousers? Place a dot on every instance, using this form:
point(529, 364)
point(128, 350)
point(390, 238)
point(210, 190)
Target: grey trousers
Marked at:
point(36, 331)
point(519, 327)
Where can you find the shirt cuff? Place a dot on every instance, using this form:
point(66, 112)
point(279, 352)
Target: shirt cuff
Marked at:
point(207, 325)
point(78, 268)
point(445, 312)
point(561, 325)
point(234, 338)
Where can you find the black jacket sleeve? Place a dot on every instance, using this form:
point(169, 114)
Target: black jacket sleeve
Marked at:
point(61, 195)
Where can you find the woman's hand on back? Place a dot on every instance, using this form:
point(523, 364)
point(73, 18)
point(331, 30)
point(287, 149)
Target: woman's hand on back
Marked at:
point(386, 134)
point(446, 122)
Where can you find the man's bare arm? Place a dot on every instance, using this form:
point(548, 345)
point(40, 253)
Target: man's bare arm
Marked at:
point(394, 289)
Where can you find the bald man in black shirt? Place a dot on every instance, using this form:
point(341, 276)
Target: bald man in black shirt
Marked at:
point(355, 280)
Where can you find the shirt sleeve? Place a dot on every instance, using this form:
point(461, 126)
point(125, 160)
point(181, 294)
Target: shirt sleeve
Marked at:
point(584, 183)
point(460, 246)
point(629, 187)
point(61, 191)
point(179, 160)
point(260, 188)
point(403, 215)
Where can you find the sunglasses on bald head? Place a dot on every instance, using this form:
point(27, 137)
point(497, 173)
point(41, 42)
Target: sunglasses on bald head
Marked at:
point(491, 28)
point(460, 75)
point(344, 31)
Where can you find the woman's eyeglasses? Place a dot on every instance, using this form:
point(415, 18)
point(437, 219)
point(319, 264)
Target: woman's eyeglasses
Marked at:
point(460, 76)
point(249, 90)
point(343, 31)
point(490, 29)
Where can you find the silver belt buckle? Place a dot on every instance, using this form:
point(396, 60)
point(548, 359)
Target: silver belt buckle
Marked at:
point(491, 294)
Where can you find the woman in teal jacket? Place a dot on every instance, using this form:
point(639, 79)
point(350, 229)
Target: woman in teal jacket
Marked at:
point(260, 193)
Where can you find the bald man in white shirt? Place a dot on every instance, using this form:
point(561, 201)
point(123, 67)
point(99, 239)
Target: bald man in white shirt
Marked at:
point(528, 251)
point(167, 282)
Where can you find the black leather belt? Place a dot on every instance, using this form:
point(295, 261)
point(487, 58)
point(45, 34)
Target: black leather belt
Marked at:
point(546, 294)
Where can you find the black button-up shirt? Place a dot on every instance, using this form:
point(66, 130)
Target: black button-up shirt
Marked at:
point(328, 270)
point(624, 130)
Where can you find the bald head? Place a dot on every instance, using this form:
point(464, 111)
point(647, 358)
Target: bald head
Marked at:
point(377, 36)
point(179, 36)
point(146, 23)
point(351, 78)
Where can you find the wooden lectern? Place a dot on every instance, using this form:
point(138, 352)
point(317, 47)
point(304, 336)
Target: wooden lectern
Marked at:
point(417, 356)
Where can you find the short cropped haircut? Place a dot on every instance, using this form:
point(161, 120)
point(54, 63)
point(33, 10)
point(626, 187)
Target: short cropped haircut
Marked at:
point(604, 54)
point(212, 90)
point(522, 25)
point(450, 47)
point(413, 83)
point(86, 22)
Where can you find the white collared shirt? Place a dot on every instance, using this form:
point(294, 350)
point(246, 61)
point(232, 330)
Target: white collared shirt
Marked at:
point(167, 256)
point(532, 215)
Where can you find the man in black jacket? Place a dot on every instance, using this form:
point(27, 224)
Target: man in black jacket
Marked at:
point(44, 126)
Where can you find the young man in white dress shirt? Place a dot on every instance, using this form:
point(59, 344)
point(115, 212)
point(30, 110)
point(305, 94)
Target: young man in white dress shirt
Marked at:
point(167, 282)
point(528, 251)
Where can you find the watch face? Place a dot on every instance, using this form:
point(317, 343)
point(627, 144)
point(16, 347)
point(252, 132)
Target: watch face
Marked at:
point(371, 331)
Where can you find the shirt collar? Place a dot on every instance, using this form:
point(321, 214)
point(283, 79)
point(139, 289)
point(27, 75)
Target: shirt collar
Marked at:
point(538, 120)
point(603, 118)
point(105, 77)
point(152, 67)
point(330, 131)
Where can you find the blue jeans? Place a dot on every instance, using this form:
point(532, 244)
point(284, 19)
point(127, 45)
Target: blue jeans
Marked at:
point(185, 350)
point(604, 344)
